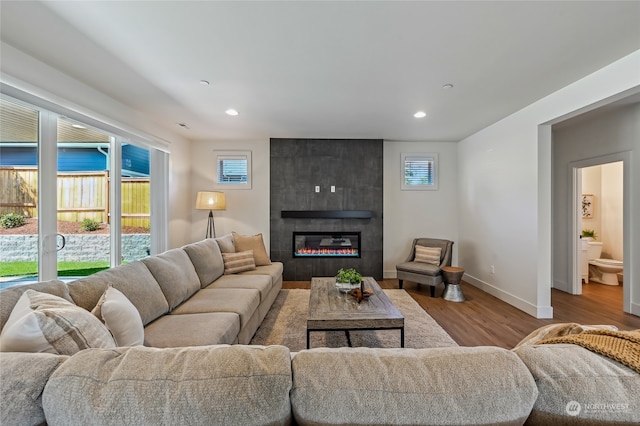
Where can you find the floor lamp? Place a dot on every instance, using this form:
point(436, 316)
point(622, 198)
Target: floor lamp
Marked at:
point(211, 200)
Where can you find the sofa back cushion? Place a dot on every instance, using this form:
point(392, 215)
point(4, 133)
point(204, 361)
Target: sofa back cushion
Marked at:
point(207, 259)
point(200, 385)
point(175, 274)
point(22, 380)
point(570, 378)
point(133, 279)
point(10, 296)
point(459, 385)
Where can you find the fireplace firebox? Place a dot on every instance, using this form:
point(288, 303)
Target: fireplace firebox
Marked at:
point(326, 244)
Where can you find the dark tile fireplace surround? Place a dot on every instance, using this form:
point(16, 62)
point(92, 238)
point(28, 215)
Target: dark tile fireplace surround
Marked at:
point(328, 195)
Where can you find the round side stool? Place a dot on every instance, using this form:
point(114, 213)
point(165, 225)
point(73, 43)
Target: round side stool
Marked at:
point(452, 291)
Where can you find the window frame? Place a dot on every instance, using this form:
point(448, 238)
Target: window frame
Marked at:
point(232, 155)
point(425, 156)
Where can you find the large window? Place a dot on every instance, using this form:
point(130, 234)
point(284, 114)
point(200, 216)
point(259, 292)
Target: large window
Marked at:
point(419, 172)
point(76, 197)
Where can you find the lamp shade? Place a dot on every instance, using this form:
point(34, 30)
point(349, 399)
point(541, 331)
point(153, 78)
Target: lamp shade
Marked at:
point(211, 200)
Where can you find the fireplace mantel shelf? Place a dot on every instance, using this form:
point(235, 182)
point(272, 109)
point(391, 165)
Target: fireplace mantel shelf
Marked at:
point(326, 214)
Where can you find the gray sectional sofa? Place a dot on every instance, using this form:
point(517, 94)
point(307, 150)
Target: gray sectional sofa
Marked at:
point(196, 367)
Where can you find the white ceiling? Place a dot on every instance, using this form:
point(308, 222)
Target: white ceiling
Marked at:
point(325, 69)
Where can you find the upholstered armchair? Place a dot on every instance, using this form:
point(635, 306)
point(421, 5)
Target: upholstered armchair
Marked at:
point(425, 269)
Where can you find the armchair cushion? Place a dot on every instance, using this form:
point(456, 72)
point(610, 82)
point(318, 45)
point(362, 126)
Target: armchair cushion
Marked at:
point(419, 268)
point(428, 254)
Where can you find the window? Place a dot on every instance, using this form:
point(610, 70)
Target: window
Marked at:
point(419, 172)
point(233, 169)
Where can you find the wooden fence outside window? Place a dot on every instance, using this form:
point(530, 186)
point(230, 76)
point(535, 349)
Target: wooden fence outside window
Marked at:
point(80, 195)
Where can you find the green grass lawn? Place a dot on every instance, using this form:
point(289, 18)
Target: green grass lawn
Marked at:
point(65, 269)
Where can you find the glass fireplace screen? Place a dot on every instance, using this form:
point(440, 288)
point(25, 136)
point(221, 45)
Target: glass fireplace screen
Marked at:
point(326, 244)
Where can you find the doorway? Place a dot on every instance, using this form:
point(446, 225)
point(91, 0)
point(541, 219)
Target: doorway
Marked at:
point(599, 215)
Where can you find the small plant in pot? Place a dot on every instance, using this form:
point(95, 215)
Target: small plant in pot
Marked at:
point(589, 233)
point(348, 279)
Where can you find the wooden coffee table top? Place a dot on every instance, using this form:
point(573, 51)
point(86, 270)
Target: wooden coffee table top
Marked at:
point(329, 309)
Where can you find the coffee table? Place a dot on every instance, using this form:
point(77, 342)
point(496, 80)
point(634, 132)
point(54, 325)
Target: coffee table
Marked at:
point(331, 310)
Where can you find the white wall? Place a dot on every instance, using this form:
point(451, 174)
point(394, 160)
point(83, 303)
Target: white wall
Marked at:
point(605, 182)
point(414, 214)
point(612, 203)
point(505, 202)
point(247, 209)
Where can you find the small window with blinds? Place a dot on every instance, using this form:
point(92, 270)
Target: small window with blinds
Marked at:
point(419, 172)
point(233, 169)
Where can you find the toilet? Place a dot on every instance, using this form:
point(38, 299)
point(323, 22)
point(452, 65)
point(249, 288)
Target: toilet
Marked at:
point(604, 271)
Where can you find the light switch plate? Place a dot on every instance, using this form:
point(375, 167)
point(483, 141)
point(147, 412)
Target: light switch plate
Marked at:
point(317, 188)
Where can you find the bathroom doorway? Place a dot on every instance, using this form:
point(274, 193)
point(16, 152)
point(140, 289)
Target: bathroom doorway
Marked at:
point(599, 214)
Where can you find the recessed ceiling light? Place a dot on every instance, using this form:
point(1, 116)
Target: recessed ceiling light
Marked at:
point(231, 111)
point(183, 125)
point(448, 86)
point(420, 114)
point(205, 82)
point(77, 126)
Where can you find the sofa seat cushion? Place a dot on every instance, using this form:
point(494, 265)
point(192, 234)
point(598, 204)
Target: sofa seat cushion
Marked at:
point(228, 385)
point(262, 283)
point(133, 279)
point(274, 270)
point(242, 301)
point(9, 297)
point(207, 260)
point(446, 386)
point(175, 274)
point(576, 385)
point(419, 268)
point(173, 331)
point(22, 380)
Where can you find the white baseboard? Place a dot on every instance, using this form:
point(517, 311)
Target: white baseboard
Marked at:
point(523, 305)
point(635, 309)
point(390, 274)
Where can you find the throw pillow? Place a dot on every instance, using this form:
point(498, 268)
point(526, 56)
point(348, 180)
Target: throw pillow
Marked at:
point(121, 317)
point(41, 322)
point(255, 243)
point(428, 255)
point(226, 244)
point(238, 262)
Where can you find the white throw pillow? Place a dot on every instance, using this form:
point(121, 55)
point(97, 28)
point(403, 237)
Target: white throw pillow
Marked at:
point(41, 322)
point(121, 317)
point(428, 255)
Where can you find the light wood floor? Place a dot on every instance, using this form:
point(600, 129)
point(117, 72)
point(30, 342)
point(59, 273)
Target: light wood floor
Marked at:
point(485, 320)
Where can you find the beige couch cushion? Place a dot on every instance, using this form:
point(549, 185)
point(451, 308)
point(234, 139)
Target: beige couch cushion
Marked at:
point(42, 322)
point(235, 385)
point(576, 385)
point(9, 296)
point(207, 260)
point(175, 274)
point(444, 386)
point(22, 380)
point(133, 279)
point(274, 270)
point(242, 301)
point(241, 261)
point(252, 242)
point(262, 283)
point(175, 331)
